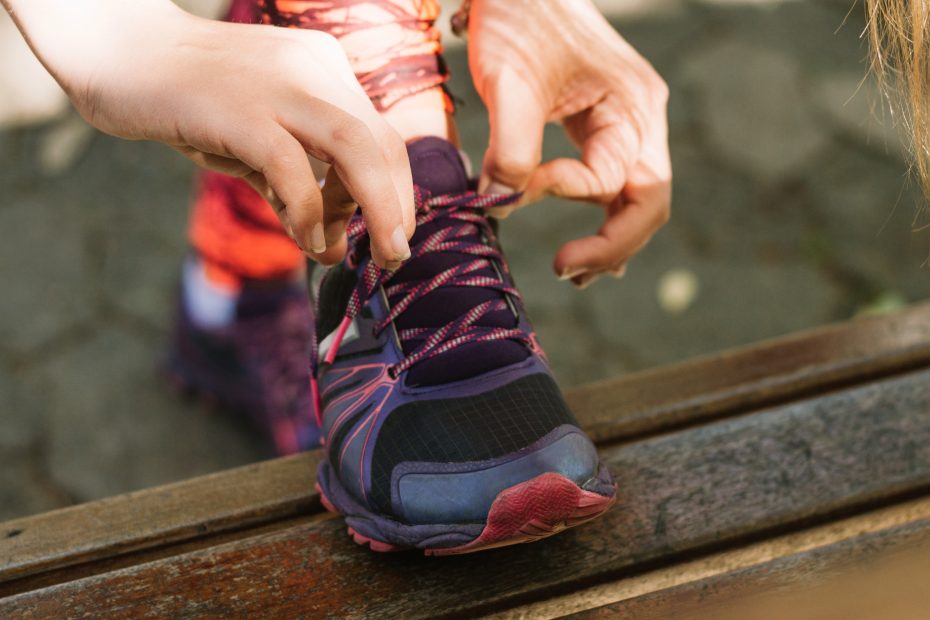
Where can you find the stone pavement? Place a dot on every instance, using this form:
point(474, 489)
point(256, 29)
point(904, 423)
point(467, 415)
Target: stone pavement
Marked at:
point(791, 210)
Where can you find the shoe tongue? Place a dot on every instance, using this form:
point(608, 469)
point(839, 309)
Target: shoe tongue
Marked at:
point(438, 167)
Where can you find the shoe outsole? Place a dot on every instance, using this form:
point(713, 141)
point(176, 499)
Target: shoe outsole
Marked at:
point(538, 508)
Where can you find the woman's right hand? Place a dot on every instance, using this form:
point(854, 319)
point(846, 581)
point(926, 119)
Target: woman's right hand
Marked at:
point(251, 101)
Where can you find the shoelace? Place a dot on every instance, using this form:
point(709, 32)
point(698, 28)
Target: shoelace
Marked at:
point(461, 216)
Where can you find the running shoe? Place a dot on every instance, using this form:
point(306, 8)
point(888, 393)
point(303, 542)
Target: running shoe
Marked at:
point(443, 428)
point(257, 365)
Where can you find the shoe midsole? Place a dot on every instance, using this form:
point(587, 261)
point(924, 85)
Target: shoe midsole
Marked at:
point(423, 536)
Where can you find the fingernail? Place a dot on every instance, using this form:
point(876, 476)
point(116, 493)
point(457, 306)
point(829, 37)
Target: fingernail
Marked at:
point(500, 213)
point(399, 244)
point(495, 187)
point(392, 265)
point(570, 272)
point(618, 272)
point(317, 239)
point(585, 281)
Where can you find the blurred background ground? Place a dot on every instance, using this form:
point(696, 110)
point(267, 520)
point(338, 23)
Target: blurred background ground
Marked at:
point(791, 209)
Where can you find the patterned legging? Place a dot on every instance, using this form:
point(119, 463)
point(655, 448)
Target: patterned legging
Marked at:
point(231, 226)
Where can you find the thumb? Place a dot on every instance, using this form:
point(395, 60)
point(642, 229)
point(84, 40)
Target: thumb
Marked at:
point(515, 147)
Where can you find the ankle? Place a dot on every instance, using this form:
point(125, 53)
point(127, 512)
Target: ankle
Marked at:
point(395, 52)
point(423, 114)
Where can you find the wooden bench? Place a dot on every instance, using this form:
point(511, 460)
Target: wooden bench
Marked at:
point(747, 469)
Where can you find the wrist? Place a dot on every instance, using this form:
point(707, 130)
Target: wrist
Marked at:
point(75, 38)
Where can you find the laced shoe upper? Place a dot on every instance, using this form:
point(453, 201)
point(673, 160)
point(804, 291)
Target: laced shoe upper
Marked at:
point(430, 322)
point(437, 362)
point(453, 293)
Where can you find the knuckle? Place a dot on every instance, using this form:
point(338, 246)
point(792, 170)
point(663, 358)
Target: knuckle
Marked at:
point(512, 166)
point(274, 165)
point(392, 145)
point(277, 148)
point(663, 215)
point(322, 42)
point(349, 133)
point(655, 88)
point(611, 182)
point(289, 52)
point(658, 86)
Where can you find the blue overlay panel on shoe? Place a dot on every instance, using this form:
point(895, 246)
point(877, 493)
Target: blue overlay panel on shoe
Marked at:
point(464, 492)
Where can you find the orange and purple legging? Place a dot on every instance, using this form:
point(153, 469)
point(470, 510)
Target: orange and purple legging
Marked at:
point(232, 228)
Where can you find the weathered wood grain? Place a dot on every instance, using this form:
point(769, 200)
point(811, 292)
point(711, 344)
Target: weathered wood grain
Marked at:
point(759, 375)
point(896, 517)
point(740, 590)
point(691, 492)
point(641, 403)
point(237, 498)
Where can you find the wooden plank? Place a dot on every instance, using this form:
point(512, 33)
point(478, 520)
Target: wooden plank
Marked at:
point(692, 492)
point(644, 402)
point(759, 375)
point(886, 529)
point(237, 498)
point(786, 575)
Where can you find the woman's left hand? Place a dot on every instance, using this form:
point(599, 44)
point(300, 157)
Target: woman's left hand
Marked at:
point(560, 61)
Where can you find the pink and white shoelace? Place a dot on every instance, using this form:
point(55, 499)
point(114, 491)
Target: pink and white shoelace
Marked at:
point(462, 218)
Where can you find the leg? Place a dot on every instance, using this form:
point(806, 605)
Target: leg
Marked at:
point(394, 49)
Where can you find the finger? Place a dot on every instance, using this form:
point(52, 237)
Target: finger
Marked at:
point(235, 168)
point(278, 157)
point(598, 177)
point(347, 93)
point(217, 163)
point(610, 144)
point(368, 165)
point(631, 221)
point(584, 281)
point(515, 143)
point(617, 271)
point(394, 152)
point(259, 183)
point(338, 209)
point(575, 180)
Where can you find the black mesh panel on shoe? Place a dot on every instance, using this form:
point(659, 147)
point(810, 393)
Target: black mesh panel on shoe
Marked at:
point(334, 295)
point(474, 428)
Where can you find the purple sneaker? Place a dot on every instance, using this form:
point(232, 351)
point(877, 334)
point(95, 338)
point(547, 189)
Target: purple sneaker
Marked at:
point(443, 428)
point(257, 365)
